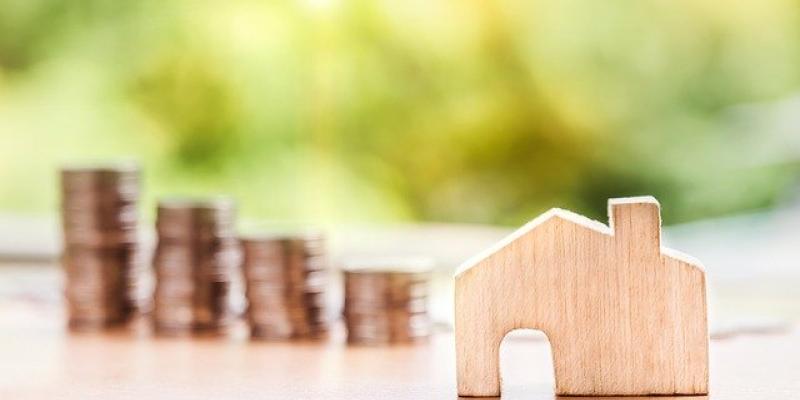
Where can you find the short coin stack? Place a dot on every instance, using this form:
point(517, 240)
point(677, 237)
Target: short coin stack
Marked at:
point(285, 281)
point(104, 275)
point(196, 263)
point(386, 301)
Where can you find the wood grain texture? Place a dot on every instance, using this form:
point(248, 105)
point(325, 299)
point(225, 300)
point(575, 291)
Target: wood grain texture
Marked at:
point(623, 315)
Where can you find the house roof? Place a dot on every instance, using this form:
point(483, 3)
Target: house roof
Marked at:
point(571, 217)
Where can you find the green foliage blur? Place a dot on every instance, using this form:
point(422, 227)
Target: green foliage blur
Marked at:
point(440, 110)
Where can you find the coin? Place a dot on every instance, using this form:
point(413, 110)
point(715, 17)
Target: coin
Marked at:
point(196, 263)
point(105, 282)
point(386, 300)
point(286, 281)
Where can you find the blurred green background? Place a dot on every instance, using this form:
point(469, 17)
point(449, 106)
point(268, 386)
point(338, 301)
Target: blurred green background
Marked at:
point(437, 110)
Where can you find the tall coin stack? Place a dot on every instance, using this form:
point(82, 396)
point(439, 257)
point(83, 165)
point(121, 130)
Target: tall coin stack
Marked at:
point(386, 301)
point(104, 275)
point(196, 264)
point(285, 281)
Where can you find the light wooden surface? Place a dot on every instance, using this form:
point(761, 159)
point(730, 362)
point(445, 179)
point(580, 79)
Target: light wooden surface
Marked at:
point(40, 360)
point(624, 316)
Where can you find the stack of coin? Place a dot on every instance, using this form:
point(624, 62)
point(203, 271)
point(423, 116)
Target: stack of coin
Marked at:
point(386, 301)
point(285, 281)
point(105, 282)
point(196, 263)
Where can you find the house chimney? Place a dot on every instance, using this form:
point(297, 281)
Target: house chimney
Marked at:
point(636, 222)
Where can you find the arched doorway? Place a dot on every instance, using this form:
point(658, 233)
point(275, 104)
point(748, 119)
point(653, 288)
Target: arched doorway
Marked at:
point(526, 364)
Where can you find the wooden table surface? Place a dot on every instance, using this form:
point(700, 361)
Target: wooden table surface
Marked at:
point(39, 359)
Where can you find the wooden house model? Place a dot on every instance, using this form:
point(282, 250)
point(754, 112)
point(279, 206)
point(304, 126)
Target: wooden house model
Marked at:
point(623, 315)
